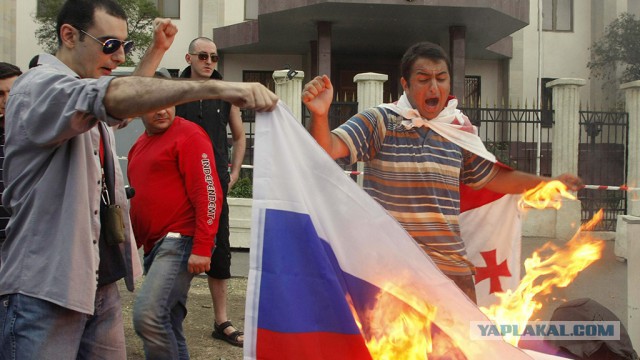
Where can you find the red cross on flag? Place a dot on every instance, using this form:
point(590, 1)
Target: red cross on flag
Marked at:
point(490, 226)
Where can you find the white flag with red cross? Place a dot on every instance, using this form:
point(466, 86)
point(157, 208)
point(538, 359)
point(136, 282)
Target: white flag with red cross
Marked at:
point(490, 225)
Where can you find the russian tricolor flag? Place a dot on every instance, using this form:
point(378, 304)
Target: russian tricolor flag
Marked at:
point(322, 252)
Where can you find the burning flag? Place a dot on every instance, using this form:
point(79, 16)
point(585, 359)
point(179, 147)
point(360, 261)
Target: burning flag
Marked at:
point(334, 276)
point(550, 266)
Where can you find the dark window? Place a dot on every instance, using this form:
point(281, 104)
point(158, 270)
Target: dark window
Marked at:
point(174, 72)
point(45, 7)
point(472, 96)
point(263, 77)
point(168, 8)
point(248, 116)
point(546, 105)
point(472, 85)
point(39, 8)
point(557, 15)
point(250, 9)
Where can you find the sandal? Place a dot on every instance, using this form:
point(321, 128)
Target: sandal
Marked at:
point(218, 333)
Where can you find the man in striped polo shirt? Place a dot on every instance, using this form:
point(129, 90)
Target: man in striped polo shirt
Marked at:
point(416, 153)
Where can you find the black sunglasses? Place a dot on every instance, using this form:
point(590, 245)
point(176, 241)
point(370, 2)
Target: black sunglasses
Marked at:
point(203, 56)
point(110, 46)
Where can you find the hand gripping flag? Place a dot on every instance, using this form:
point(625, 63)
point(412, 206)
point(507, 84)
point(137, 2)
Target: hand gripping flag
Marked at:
point(324, 253)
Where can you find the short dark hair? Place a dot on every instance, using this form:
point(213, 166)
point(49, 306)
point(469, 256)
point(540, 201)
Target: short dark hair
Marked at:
point(422, 50)
point(81, 14)
point(34, 61)
point(192, 44)
point(8, 71)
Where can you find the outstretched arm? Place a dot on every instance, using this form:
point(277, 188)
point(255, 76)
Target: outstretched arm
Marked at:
point(164, 32)
point(317, 96)
point(517, 182)
point(134, 95)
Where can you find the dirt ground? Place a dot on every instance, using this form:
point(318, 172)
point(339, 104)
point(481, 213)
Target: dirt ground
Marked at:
point(199, 321)
point(605, 281)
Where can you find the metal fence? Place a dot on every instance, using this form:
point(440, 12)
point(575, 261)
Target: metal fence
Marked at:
point(516, 136)
point(339, 112)
point(249, 120)
point(521, 138)
point(602, 160)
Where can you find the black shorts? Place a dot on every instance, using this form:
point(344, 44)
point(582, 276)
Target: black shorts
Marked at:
point(221, 257)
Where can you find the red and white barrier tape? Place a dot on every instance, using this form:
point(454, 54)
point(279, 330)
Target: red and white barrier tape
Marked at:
point(607, 187)
point(591, 187)
point(346, 172)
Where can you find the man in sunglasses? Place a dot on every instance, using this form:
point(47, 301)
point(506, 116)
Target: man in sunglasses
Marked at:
point(8, 75)
point(61, 259)
point(214, 116)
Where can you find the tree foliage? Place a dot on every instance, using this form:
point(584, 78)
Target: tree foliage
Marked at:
point(243, 188)
point(619, 48)
point(140, 15)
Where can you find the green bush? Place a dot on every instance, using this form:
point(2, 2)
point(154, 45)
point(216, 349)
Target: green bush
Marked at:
point(243, 188)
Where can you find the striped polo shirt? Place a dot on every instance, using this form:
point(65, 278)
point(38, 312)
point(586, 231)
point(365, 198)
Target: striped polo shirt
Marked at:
point(415, 175)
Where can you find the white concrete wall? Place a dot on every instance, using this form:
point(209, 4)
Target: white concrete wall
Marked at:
point(7, 33)
point(490, 83)
point(233, 11)
point(563, 54)
point(26, 43)
point(516, 67)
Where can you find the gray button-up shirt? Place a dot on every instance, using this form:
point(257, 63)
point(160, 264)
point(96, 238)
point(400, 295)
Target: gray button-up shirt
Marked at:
point(53, 183)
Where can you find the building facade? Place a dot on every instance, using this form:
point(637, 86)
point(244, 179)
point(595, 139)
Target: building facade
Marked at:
point(495, 44)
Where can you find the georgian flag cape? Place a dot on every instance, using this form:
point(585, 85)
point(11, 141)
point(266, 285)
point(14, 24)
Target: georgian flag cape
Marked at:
point(490, 223)
point(323, 252)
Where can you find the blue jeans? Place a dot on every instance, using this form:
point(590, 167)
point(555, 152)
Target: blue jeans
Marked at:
point(161, 304)
point(32, 328)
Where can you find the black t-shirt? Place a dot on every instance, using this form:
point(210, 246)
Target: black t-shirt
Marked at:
point(213, 117)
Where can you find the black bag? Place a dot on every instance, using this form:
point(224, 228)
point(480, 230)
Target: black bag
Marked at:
point(586, 309)
point(113, 218)
point(113, 225)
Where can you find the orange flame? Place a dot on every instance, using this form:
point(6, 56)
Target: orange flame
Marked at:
point(546, 194)
point(398, 330)
point(548, 267)
point(401, 326)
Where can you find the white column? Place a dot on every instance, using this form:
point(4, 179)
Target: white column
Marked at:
point(566, 130)
point(632, 96)
point(370, 86)
point(633, 290)
point(289, 89)
point(370, 92)
point(622, 248)
point(8, 33)
point(566, 135)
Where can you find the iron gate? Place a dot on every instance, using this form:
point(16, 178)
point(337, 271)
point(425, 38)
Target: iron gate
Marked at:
point(602, 160)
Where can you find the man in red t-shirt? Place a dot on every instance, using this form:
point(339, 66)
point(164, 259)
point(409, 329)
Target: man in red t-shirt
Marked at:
point(174, 214)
